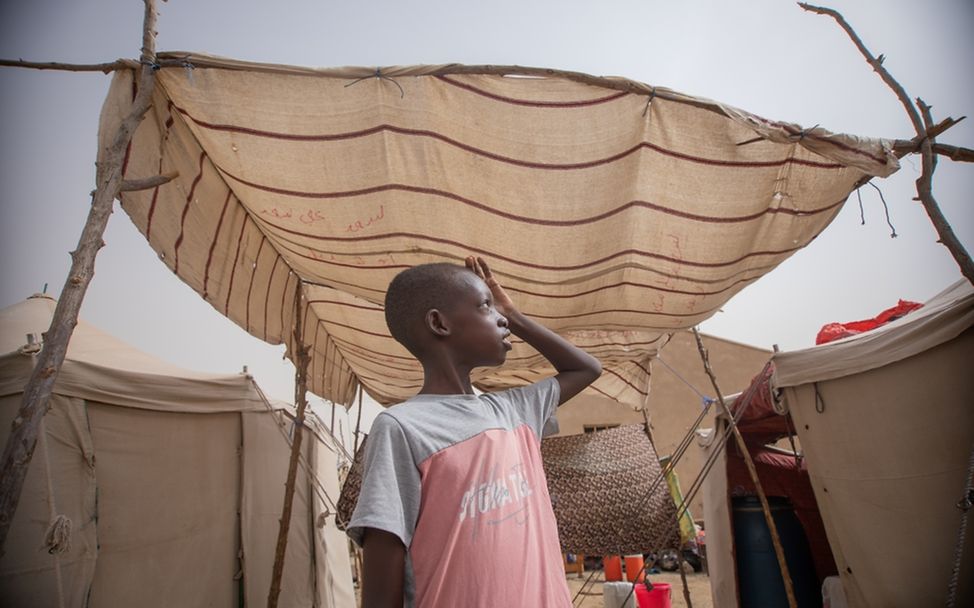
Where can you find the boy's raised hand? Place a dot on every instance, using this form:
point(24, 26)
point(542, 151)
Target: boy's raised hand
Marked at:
point(502, 301)
point(576, 368)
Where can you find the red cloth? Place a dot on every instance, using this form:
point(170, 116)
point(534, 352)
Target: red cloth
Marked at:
point(835, 331)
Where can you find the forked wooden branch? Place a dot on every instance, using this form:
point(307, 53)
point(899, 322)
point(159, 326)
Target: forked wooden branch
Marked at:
point(131, 185)
point(36, 400)
point(923, 124)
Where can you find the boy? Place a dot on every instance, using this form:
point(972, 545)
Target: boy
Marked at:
point(454, 507)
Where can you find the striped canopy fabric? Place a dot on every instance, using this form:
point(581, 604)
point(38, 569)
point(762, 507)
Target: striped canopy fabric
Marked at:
point(612, 211)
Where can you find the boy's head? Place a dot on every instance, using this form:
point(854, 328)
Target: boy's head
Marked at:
point(446, 306)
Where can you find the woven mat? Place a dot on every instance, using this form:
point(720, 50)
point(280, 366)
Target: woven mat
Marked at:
point(598, 484)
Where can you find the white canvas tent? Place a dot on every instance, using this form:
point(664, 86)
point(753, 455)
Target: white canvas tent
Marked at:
point(172, 481)
point(886, 427)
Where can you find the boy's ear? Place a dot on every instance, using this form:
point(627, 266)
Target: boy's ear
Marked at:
point(437, 323)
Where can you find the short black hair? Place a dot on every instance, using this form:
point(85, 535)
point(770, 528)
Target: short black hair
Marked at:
point(413, 292)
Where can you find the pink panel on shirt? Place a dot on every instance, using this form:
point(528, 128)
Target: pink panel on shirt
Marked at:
point(486, 534)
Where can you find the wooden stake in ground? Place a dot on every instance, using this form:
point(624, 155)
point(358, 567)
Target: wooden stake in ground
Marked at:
point(36, 401)
point(775, 539)
point(301, 401)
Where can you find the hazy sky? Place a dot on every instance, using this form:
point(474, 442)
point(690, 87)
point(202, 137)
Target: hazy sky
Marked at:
point(767, 57)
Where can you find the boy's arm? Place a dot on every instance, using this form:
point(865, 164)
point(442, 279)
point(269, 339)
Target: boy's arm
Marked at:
point(383, 569)
point(576, 368)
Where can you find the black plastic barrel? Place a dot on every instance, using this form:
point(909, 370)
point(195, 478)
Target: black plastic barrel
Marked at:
point(758, 574)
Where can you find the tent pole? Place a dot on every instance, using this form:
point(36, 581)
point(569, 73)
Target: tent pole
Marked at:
point(301, 401)
point(775, 539)
point(358, 419)
point(109, 182)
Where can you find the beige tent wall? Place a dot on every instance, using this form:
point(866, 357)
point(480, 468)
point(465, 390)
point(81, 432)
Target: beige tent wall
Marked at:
point(168, 530)
point(887, 458)
point(719, 525)
point(28, 573)
point(160, 471)
point(673, 406)
point(265, 464)
point(331, 544)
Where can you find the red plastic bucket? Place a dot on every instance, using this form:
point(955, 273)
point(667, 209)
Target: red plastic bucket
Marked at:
point(612, 566)
point(659, 597)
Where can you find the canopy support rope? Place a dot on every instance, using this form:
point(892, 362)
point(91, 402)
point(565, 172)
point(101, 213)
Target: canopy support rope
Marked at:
point(309, 470)
point(964, 504)
point(301, 401)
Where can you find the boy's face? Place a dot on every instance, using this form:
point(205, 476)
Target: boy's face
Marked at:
point(479, 334)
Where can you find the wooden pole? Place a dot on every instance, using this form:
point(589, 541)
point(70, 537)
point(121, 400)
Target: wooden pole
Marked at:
point(775, 539)
point(683, 577)
point(36, 400)
point(923, 125)
point(301, 401)
point(358, 420)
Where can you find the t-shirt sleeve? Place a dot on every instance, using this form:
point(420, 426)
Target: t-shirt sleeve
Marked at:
point(390, 495)
point(535, 404)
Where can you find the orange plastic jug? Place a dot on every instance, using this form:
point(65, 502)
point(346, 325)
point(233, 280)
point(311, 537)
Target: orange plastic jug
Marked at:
point(634, 569)
point(612, 566)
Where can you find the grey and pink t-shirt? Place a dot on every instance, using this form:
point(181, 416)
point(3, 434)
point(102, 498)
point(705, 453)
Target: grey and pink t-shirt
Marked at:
point(459, 479)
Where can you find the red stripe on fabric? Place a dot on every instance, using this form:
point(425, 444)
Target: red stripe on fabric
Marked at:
point(314, 345)
point(250, 288)
point(535, 104)
point(284, 292)
point(640, 366)
point(359, 329)
point(630, 384)
point(304, 321)
point(267, 294)
point(496, 256)
point(155, 191)
point(542, 316)
point(499, 157)
point(361, 351)
point(598, 390)
point(387, 381)
point(337, 282)
point(378, 309)
point(233, 269)
point(622, 311)
point(216, 235)
point(626, 284)
point(530, 220)
point(182, 218)
point(128, 147)
point(152, 212)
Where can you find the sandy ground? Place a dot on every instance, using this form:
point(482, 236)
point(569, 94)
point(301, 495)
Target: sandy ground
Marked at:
point(698, 583)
